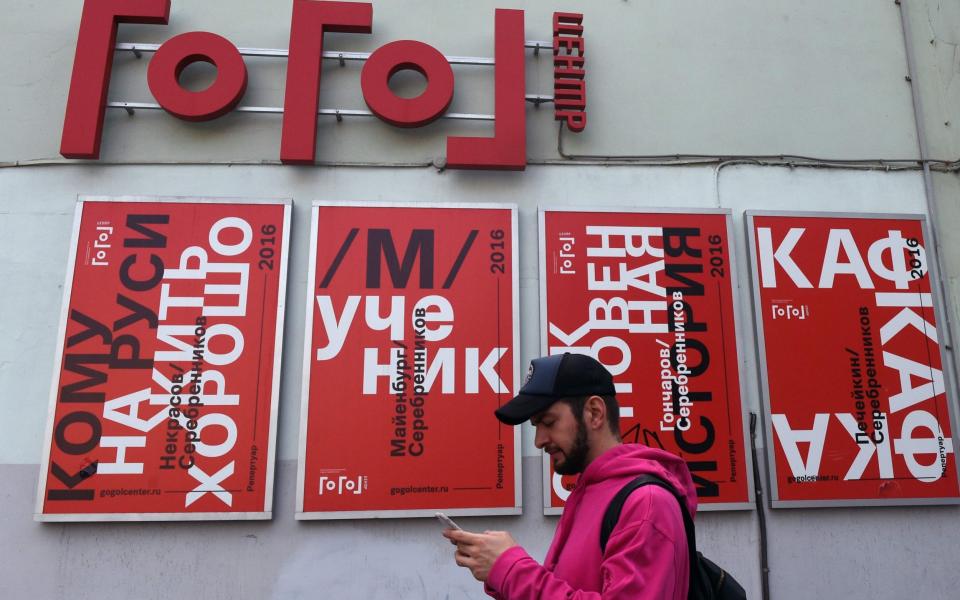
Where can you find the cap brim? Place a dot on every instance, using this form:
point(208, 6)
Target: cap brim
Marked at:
point(522, 407)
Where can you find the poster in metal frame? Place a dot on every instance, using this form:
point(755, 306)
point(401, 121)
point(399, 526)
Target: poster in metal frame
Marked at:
point(857, 247)
point(737, 494)
point(360, 461)
point(200, 255)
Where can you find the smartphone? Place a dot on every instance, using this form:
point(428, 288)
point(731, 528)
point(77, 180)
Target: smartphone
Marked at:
point(447, 521)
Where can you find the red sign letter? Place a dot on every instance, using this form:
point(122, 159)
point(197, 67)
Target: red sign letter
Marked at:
point(178, 53)
point(298, 142)
point(507, 149)
point(83, 122)
point(407, 112)
point(569, 87)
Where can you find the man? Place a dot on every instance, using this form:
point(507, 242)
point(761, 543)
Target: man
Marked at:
point(570, 400)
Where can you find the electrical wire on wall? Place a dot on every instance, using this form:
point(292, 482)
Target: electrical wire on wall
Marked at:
point(762, 160)
point(566, 159)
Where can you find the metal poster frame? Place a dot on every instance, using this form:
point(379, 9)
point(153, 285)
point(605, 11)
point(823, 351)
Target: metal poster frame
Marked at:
point(949, 381)
point(270, 459)
point(748, 504)
point(307, 363)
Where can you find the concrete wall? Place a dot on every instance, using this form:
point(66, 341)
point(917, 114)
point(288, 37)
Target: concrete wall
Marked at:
point(769, 77)
point(816, 78)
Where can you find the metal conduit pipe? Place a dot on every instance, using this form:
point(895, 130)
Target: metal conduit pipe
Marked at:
point(761, 515)
point(950, 367)
point(762, 160)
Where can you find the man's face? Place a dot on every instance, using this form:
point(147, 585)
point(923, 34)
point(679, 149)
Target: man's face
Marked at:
point(563, 436)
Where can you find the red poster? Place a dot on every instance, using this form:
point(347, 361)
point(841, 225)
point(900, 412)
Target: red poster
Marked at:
point(163, 406)
point(650, 295)
point(411, 346)
point(856, 408)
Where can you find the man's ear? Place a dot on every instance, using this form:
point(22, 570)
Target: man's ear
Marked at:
point(595, 412)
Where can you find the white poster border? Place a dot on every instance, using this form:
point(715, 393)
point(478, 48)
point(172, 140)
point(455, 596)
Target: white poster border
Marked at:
point(302, 515)
point(950, 384)
point(267, 513)
point(736, 295)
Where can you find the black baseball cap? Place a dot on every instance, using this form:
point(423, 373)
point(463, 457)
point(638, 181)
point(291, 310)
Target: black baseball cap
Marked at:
point(551, 378)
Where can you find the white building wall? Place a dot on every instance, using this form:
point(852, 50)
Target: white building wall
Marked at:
point(771, 77)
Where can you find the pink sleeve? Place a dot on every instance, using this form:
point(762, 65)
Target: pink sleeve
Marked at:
point(516, 576)
point(641, 561)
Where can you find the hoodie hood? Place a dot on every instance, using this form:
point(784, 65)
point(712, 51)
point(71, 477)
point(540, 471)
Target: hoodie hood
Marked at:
point(626, 461)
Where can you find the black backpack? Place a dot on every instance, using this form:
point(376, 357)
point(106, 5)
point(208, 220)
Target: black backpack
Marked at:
point(707, 580)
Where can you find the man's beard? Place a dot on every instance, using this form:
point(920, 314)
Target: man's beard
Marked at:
point(577, 457)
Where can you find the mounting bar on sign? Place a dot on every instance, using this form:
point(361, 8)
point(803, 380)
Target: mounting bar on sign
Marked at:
point(339, 113)
point(536, 46)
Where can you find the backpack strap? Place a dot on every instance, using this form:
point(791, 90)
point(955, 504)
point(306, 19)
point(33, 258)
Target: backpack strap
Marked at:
point(612, 515)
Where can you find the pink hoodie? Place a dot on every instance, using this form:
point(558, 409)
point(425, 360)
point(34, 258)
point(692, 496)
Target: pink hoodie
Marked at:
point(646, 556)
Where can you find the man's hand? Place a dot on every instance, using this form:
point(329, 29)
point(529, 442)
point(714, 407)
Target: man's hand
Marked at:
point(478, 551)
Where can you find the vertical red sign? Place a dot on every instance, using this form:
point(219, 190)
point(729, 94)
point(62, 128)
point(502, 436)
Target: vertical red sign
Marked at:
point(163, 403)
point(856, 404)
point(410, 347)
point(650, 295)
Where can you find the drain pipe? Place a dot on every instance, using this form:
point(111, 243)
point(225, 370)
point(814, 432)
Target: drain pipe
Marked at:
point(931, 204)
point(761, 515)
